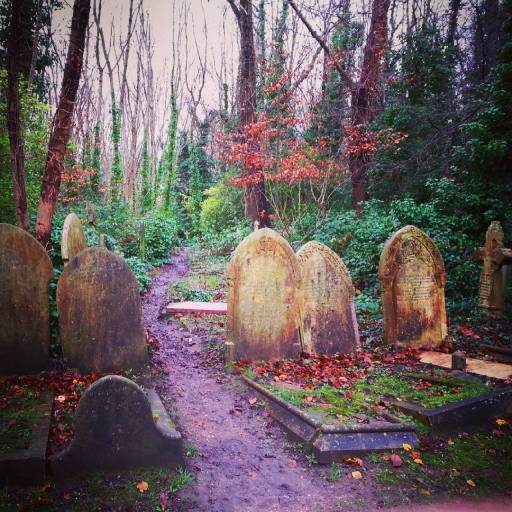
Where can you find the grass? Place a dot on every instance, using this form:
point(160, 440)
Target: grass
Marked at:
point(17, 417)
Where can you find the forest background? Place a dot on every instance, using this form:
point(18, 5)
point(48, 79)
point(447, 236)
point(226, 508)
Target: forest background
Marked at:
point(331, 120)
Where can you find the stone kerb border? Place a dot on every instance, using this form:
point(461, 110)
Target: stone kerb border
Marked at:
point(330, 443)
point(28, 466)
point(470, 413)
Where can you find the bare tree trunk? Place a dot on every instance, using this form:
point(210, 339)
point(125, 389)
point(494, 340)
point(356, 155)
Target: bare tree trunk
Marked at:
point(256, 207)
point(62, 122)
point(16, 61)
point(367, 94)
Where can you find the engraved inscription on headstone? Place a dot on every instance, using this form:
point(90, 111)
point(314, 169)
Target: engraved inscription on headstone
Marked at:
point(263, 306)
point(73, 239)
point(25, 273)
point(411, 272)
point(100, 313)
point(494, 257)
point(328, 321)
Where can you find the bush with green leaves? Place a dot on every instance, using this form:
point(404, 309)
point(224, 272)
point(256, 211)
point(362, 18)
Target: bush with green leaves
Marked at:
point(456, 218)
point(225, 242)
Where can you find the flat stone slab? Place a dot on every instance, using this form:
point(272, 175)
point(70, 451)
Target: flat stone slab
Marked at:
point(28, 467)
point(206, 308)
point(468, 414)
point(478, 366)
point(118, 426)
point(331, 443)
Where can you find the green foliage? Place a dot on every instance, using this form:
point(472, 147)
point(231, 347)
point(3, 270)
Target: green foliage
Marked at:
point(116, 173)
point(141, 269)
point(222, 207)
point(224, 242)
point(35, 124)
point(456, 218)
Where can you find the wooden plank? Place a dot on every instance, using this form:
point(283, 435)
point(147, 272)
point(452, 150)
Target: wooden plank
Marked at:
point(478, 366)
point(205, 308)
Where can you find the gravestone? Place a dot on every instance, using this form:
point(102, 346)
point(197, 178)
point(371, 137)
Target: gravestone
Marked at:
point(492, 278)
point(117, 426)
point(100, 314)
point(263, 301)
point(25, 272)
point(328, 317)
point(73, 239)
point(412, 277)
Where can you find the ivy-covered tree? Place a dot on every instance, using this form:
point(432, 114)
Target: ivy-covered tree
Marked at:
point(146, 192)
point(116, 173)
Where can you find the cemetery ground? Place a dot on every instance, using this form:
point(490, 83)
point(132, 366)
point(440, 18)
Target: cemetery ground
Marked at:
point(237, 457)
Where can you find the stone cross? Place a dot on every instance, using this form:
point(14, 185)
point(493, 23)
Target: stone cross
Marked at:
point(494, 257)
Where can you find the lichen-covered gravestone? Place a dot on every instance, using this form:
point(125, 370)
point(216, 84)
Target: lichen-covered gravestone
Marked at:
point(117, 426)
point(412, 277)
point(73, 239)
point(492, 280)
point(25, 272)
point(328, 318)
point(263, 305)
point(100, 313)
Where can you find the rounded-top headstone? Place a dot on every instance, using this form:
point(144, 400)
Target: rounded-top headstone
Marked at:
point(100, 313)
point(25, 272)
point(115, 428)
point(73, 238)
point(328, 318)
point(263, 305)
point(412, 276)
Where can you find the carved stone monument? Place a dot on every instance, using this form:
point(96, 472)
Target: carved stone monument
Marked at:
point(328, 317)
point(100, 313)
point(25, 272)
point(412, 277)
point(118, 426)
point(73, 239)
point(263, 299)
point(492, 278)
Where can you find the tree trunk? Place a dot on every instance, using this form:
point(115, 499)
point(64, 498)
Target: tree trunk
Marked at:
point(367, 94)
point(62, 122)
point(256, 207)
point(18, 59)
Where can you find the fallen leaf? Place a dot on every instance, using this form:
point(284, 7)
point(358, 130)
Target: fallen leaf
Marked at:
point(455, 472)
point(253, 400)
point(61, 398)
point(292, 463)
point(424, 492)
point(66, 495)
point(501, 422)
point(142, 486)
point(395, 460)
point(418, 461)
point(353, 461)
point(450, 442)
point(356, 475)
point(165, 503)
point(407, 447)
point(471, 483)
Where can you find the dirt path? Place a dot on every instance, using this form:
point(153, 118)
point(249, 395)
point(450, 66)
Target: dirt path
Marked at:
point(242, 462)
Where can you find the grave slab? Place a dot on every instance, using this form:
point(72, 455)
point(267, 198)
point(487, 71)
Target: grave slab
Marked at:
point(118, 426)
point(488, 368)
point(205, 308)
point(330, 443)
point(471, 413)
point(28, 467)
point(73, 238)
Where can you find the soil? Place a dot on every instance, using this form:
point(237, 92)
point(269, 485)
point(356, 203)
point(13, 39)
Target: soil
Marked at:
point(243, 462)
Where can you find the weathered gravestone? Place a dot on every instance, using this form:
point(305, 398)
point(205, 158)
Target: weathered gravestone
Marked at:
point(100, 313)
point(117, 426)
point(492, 279)
point(263, 305)
point(73, 239)
point(328, 318)
point(412, 277)
point(25, 272)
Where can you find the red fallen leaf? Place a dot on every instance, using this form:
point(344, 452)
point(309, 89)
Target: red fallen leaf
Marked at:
point(66, 495)
point(253, 400)
point(292, 463)
point(498, 433)
point(395, 460)
point(353, 461)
